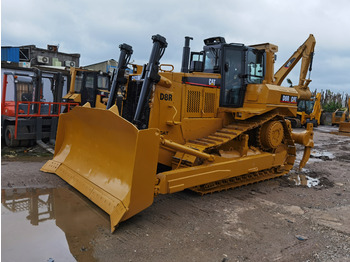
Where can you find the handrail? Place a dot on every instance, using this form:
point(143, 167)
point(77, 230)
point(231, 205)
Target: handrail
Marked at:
point(38, 114)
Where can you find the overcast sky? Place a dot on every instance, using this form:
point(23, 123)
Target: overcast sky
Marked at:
point(96, 28)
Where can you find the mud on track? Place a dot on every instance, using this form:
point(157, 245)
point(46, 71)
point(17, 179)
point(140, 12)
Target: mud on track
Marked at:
point(278, 220)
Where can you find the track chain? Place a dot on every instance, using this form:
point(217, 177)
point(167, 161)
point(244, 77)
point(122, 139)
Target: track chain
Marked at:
point(237, 181)
point(223, 136)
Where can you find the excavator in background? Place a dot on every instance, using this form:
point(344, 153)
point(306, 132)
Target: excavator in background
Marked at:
point(218, 124)
point(309, 108)
point(309, 111)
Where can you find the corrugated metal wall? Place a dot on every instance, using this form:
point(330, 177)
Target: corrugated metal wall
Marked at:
point(10, 54)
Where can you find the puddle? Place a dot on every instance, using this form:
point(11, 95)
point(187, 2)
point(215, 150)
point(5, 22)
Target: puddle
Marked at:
point(323, 155)
point(307, 178)
point(304, 180)
point(315, 155)
point(48, 225)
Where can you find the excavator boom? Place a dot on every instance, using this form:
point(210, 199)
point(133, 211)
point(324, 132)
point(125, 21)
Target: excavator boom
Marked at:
point(306, 53)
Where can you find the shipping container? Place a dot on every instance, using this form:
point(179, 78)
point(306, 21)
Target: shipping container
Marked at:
point(10, 54)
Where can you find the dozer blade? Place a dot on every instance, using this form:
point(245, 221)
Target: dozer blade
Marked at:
point(107, 159)
point(344, 127)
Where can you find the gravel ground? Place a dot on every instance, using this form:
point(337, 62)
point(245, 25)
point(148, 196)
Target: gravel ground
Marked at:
point(282, 219)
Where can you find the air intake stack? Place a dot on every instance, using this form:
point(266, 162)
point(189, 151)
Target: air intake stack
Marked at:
point(186, 54)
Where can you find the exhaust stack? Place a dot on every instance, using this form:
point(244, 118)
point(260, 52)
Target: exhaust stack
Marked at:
point(186, 55)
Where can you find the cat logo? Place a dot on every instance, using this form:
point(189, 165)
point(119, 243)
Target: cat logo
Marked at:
point(212, 82)
point(289, 99)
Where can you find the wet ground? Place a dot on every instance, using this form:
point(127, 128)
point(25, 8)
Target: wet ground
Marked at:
point(303, 216)
point(50, 223)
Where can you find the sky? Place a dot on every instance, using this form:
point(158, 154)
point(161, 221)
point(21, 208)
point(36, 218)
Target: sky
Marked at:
point(95, 29)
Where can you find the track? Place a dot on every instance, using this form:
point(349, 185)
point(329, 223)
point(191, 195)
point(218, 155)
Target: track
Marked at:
point(231, 132)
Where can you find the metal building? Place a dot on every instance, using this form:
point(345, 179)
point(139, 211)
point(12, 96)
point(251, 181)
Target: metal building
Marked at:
point(30, 55)
point(105, 66)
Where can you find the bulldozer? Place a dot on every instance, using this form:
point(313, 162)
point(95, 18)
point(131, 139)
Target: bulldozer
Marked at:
point(216, 125)
point(88, 86)
point(340, 115)
point(93, 87)
point(344, 126)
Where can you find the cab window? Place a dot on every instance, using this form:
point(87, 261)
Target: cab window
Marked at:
point(212, 60)
point(90, 81)
point(102, 82)
point(255, 63)
point(78, 82)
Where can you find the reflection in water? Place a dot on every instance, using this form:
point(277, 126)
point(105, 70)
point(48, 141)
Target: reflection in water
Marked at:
point(323, 155)
point(62, 225)
point(304, 180)
point(39, 205)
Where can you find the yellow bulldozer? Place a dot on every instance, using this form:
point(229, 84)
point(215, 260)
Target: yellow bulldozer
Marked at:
point(218, 124)
point(88, 86)
point(93, 87)
point(344, 126)
point(341, 115)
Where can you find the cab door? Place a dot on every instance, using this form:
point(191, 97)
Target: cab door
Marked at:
point(89, 90)
point(232, 71)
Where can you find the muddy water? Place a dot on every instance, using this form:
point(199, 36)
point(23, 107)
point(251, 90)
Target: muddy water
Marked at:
point(304, 180)
point(49, 225)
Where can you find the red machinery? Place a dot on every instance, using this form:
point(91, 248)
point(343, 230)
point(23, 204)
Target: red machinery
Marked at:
point(25, 115)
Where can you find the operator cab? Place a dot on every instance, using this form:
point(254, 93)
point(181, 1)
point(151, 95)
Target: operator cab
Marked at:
point(91, 83)
point(238, 65)
point(306, 106)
